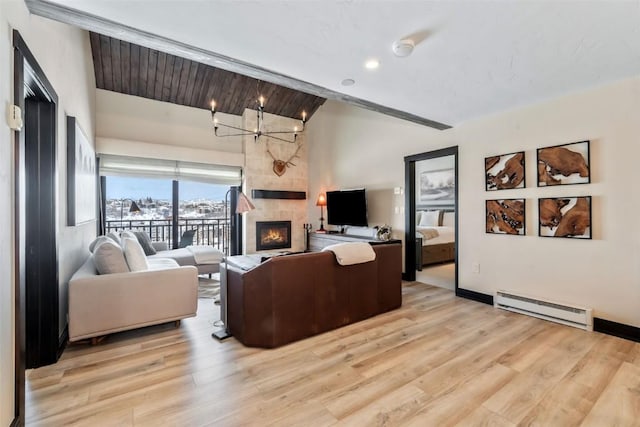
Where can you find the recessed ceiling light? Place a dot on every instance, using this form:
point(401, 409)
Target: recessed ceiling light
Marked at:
point(348, 82)
point(372, 64)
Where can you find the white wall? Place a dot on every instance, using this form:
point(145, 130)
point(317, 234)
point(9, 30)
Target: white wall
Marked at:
point(64, 54)
point(127, 124)
point(352, 147)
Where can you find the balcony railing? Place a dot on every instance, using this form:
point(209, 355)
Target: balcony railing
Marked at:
point(211, 231)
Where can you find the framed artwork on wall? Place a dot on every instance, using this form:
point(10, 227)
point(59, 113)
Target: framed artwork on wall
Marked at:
point(565, 217)
point(564, 164)
point(505, 216)
point(437, 188)
point(81, 176)
point(505, 171)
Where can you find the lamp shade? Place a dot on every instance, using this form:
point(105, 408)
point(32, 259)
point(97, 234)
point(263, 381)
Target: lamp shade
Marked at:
point(244, 204)
point(322, 200)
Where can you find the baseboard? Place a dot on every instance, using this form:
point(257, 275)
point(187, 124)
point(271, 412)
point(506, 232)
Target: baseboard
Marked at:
point(620, 330)
point(475, 296)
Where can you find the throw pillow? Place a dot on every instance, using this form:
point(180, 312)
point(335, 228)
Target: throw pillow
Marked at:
point(430, 219)
point(109, 258)
point(127, 234)
point(97, 241)
point(114, 236)
point(134, 254)
point(145, 242)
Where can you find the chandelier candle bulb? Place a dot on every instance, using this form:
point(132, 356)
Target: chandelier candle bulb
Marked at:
point(261, 130)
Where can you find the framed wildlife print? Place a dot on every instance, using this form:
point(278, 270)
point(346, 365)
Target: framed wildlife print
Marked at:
point(505, 216)
point(505, 171)
point(565, 217)
point(564, 164)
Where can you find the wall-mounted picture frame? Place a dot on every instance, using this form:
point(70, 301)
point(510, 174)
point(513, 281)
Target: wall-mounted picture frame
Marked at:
point(565, 217)
point(505, 171)
point(564, 164)
point(438, 187)
point(505, 216)
point(81, 176)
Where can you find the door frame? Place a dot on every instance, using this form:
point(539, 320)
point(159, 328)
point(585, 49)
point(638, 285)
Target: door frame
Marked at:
point(36, 80)
point(410, 209)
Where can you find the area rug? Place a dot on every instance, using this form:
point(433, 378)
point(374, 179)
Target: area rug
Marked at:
point(209, 288)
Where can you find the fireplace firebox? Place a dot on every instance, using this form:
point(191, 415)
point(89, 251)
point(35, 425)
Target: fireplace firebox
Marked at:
point(273, 235)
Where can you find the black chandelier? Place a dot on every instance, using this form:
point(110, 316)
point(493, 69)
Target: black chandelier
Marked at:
point(259, 130)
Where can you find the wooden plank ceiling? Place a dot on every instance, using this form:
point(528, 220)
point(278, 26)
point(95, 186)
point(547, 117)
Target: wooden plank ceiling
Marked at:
point(135, 70)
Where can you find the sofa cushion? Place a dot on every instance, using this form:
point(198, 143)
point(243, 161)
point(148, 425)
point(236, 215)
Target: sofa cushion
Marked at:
point(109, 258)
point(161, 263)
point(145, 242)
point(97, 241)
point(134, 254)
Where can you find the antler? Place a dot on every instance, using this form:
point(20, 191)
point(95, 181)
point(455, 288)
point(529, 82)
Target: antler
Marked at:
point(270, 153)
point(288, 162)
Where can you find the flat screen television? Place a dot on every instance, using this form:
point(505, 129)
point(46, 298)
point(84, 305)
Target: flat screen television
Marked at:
point(347, 207)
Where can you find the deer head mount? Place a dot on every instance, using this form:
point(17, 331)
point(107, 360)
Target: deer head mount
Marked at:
point(280, 166)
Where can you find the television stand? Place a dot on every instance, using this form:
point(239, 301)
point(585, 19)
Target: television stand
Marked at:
point(318, 241)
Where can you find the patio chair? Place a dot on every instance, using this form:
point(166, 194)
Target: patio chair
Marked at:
point(187, 238)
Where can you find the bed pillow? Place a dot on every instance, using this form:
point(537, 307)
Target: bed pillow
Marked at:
point(449, 219)
point(109, 258)
point(145, 242)
point(134, 254)
point(418, 217)
point(429, 219)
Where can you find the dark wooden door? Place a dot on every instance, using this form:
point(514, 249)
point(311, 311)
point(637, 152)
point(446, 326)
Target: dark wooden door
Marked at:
point(40, 252)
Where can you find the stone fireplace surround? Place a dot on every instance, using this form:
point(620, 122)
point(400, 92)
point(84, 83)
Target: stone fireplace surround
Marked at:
point(258, 173)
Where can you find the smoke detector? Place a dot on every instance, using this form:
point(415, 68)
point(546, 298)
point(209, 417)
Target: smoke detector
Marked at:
point(402, 48)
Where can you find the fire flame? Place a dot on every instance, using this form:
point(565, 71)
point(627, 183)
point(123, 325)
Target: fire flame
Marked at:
point(273, 236)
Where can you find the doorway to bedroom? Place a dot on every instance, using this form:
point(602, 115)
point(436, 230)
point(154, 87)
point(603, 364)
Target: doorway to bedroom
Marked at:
point(431, 217)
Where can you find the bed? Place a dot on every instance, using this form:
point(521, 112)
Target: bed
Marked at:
point(435, 237)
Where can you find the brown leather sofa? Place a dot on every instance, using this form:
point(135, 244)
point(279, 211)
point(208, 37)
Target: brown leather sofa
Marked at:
point(288, 298)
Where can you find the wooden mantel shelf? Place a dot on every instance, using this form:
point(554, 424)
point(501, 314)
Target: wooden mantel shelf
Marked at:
point(278, 194)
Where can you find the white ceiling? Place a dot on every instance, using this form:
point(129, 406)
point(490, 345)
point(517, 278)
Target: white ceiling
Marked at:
point(472, 58)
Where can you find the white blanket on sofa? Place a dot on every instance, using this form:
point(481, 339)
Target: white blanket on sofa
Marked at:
point(352, 252)
point(204, 254)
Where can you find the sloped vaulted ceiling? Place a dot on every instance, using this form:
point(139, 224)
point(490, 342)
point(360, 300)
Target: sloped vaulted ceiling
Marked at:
point(136, 70)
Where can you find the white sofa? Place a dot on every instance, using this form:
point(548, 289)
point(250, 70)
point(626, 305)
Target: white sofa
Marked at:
point(183, 256)
point(108, 303)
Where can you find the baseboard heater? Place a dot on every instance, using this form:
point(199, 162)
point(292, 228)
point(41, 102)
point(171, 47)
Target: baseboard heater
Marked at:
point(578, 317)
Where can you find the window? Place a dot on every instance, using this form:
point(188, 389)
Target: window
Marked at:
point(153, 209)
point(202, 208)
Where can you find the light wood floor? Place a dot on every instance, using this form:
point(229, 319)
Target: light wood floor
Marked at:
point(437, 361)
